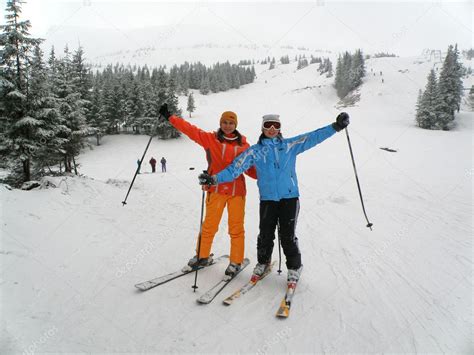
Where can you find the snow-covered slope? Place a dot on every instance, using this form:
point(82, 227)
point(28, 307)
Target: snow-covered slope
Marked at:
point(71, 255)
point(170, 45)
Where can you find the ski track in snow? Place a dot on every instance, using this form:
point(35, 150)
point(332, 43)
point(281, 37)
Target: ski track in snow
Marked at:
point(71, 255)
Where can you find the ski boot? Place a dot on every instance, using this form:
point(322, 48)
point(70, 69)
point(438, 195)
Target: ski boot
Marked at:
point(194, 263)
point(232, 269)
point(294, 274)
point(260, 269)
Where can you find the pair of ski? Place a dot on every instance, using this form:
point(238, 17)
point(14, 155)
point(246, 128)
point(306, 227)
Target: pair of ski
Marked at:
point(210, 295)
point(285, 304)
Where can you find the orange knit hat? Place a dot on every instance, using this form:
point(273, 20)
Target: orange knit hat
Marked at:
point(230, 116)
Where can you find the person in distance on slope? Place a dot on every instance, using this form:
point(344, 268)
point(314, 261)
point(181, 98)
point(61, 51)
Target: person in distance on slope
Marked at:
point(153, 164)
point(221, 148)
point(275, 158)
point(163, 164)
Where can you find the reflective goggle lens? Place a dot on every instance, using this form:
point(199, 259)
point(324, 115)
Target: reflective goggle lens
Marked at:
point(270, 124)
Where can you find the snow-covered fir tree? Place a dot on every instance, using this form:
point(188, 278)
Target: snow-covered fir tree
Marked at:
point(325, 66)
point(314, 60)
point(94, 118)
point(43, 107)
point(450, 87)
point(164, 129)
point(72, 112)
point(350, 70)
point(20, 138)
point(190, 106)
point(427, 112)
point(329, 69)
point(436, 109)
point(302, 63)
point(205, 87)
point(285, 59)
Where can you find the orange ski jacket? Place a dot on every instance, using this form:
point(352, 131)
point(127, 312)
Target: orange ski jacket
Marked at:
point(218, 154)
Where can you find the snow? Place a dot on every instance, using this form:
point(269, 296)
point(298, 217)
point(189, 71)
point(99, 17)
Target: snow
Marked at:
point(70, 255)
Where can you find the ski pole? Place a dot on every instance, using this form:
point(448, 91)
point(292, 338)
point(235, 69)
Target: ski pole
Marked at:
point(199, 238)
point(369, 225)
point(124, 202)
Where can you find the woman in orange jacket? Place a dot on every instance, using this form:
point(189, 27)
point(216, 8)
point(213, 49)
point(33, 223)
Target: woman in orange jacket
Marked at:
point(221, 148)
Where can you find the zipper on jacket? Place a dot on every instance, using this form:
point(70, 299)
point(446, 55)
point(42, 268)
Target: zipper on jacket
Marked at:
point(223, 151)
point(277, 158)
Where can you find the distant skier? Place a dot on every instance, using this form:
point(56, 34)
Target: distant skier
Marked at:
point(275, 158)
point(138, 165)
point(153, 164)
point(221, 148)
point(163, 164)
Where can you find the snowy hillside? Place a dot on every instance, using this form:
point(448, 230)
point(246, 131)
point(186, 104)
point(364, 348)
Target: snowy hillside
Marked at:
point(206, 53)
point(168, 45)
point(71, 255)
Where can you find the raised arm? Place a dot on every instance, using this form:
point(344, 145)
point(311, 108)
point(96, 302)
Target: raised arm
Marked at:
point(195, 133)
point(308, 140)
point(305, 141)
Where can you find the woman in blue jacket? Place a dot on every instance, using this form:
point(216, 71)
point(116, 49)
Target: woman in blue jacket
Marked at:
point(275, 158)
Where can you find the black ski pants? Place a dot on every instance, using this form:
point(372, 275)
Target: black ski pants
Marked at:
point(283, 213)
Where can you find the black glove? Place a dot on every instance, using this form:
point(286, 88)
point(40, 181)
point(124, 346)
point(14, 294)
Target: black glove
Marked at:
point(342, 121)
point(206, 179)
point(164, 111)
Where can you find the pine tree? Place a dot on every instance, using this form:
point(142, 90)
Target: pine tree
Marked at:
point(190, 107)
point(329, 69)
point(357, 68)
point(164, 129)
point(450, 87)
point(302, 63)
point(149, 99)
point(350, 70)
point(459, 71)
point(172, 98)
point(17, 45)
point(285, 60)
point(205, 87)
point(162, 83)
point(136, 96)
point(419, 118)
point(427, 115)
point(43, 107)
point(94, 117)
point(235, 77)
point(81, 77)
point(72, 112)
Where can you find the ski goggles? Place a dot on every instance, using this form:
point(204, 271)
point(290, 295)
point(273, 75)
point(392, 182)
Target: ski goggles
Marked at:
point(270, 124)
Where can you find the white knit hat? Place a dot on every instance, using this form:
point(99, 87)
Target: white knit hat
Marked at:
point(271, 118)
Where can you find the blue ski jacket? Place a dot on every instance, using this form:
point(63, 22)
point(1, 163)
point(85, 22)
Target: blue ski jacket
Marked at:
point(275, 161)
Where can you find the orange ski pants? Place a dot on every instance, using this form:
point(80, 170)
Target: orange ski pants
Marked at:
point(215, 204)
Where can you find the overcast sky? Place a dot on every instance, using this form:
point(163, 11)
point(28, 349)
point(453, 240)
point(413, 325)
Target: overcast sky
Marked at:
point(401, 27)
